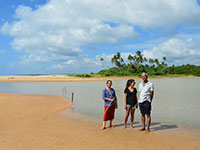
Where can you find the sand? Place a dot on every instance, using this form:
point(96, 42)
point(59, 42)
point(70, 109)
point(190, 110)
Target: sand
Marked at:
point(57, 78)
point(65, 78)
point(36, 122)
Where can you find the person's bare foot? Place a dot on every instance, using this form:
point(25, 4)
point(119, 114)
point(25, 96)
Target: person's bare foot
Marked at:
point(143, 129)
point(147, 131)
point(102, 128)
point(131, 126)
point(111, 126)
point(124, 126)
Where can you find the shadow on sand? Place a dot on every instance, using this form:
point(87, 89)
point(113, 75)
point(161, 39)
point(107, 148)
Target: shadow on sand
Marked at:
point(163, 127)
point(128, 124)
point(155, 126)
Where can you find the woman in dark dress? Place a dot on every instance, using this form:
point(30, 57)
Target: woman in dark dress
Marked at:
point(131, 101)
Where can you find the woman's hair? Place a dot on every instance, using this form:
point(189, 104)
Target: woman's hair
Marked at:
point(128, 83)
point(108, 81)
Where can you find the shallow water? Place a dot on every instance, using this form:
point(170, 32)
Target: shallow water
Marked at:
point(176, 101)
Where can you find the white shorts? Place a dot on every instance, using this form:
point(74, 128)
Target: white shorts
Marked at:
point(130, 106)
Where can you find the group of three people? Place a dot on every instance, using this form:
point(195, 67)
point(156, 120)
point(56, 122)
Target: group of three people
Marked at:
point(146, 92)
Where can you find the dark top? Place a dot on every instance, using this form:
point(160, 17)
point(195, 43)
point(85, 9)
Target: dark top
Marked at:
point(131, 96)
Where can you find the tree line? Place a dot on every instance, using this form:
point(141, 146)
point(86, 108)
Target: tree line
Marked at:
point(138, 63)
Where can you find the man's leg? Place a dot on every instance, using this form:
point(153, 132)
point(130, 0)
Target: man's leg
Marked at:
point(148, 113)
point(148, 122)
point(143, 122)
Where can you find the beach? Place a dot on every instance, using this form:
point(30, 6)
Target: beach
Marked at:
point(67, 78)
point(32, 122)
point(55, 78)
point(69, 65)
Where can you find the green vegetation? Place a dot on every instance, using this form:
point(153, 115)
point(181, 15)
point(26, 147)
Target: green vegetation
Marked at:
point(81, 75)
point(138, 64)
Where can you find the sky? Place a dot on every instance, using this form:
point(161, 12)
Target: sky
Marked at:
point(70, 36)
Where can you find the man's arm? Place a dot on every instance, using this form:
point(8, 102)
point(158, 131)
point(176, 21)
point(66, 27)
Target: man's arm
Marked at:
point(151, 93)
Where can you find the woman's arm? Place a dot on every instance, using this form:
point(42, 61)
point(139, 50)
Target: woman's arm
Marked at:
point(136, 100)
point(106, 98)
point(109, 99)
point(116, 104)
point(125, 100)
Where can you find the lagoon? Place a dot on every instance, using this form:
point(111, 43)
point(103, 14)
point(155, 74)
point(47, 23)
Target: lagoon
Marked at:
point(176, 101)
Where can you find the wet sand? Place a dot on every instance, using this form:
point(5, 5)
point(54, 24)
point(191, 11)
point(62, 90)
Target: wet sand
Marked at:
point(33, 122)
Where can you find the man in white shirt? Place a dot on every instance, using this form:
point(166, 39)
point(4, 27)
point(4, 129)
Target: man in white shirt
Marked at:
point(146, 90)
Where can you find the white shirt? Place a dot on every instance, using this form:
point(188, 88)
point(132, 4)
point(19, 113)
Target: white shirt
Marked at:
point(145, 91)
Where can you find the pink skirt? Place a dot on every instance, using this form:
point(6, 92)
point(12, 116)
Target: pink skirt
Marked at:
point(109, 113)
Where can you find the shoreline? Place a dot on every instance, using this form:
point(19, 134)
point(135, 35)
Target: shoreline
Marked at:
point(155, 126)
point(66, 78)
point(37, 122)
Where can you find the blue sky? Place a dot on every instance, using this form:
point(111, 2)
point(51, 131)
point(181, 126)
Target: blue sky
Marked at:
point(70, 36)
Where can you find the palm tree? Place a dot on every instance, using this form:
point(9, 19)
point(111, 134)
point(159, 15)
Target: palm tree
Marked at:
point(145, 59)
point(102, 60)
point(138, 58)
point(164, 58)
point(130, 58)
point(157, 62)
point(151, 61)
point(118, 60)
point(163, 63)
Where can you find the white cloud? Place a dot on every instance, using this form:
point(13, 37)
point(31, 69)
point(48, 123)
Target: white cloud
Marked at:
point(2, 51)
point(56, 31)
point(58, 66)
point(70, 62)
point(61, 27)
point(77, 65)
point(178, 51)
point(87, 64)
